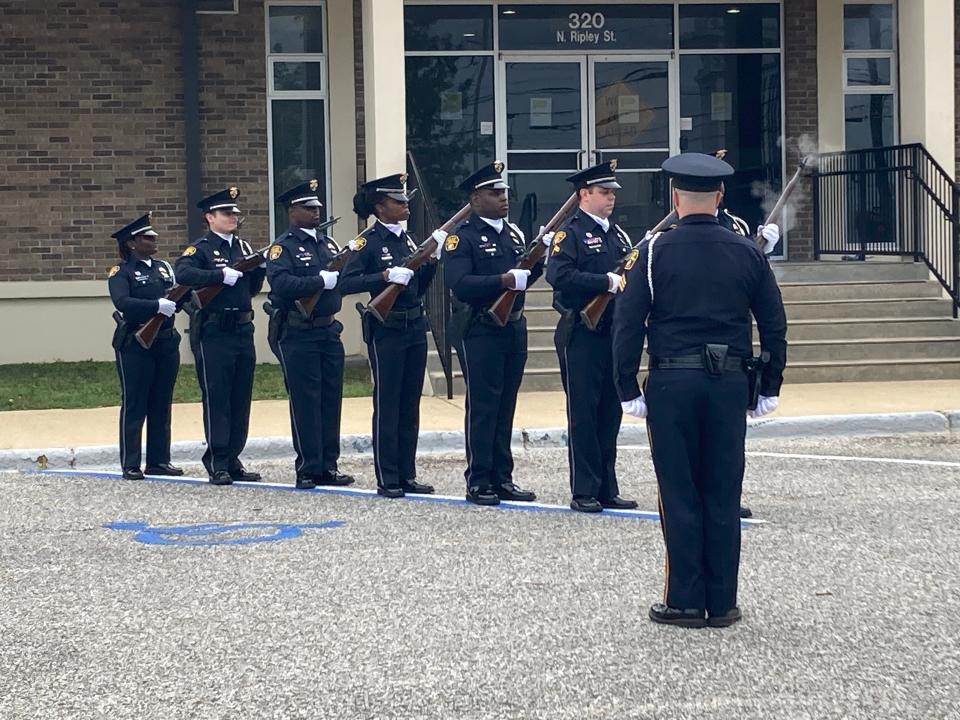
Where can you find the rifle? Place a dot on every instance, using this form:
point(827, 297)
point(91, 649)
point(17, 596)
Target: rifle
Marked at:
point(500, 310)
point(774, 215)
point(307, 304)
point(248, 263)
point(382, 304)
point(148, 331)
point(593, 312)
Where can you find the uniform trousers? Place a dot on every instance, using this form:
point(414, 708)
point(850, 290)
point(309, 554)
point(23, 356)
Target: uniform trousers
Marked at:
point(492, 360)
point(697, 425)
point(312, 363)
point(147, 378)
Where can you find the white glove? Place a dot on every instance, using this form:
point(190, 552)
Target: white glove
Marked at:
point(771, 236)
point(330, 278)
point(648, 235)
point(636, 407)
point(230, 276)
point(614, 286)
point(548, 239)
point(166, 307)
point(441, 237)
point(765, 406)
point(519, 278)
point(399, 275)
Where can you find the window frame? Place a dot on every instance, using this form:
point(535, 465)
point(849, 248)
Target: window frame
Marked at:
point(892, 55)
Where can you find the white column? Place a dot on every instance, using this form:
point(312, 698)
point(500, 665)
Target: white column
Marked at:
point(927, 72)
point(384, 87)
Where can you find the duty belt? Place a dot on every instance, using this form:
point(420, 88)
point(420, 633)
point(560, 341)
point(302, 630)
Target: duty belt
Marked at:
point(296, 321)
point(694, 362)
point(403, 318)
point(229, 319)
point(165, 333)
point(513, 317)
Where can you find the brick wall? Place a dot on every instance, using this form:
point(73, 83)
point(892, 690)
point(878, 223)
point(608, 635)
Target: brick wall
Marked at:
point(800, 118)
point(956, 71)
point(91, 133)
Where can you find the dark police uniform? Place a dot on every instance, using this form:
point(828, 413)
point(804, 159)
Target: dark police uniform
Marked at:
point(222, 342)
point(397, 347)
point(146, 377)
point(580, 258)
point(706, 283)
point(309, 349)
point(492, 358)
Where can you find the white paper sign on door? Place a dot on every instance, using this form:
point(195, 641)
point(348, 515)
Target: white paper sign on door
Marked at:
point(541, 112)
point(628, 109)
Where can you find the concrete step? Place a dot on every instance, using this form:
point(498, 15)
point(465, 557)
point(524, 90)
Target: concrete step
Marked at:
point(534, 380)
point(879, 307)
point(853, 328)
point(827, 271)
point(861, 290)
point(874, 370)
point(803, 351)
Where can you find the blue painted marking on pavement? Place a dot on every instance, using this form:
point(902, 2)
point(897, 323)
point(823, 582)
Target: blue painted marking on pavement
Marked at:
point(202, 534)
point(357, 492)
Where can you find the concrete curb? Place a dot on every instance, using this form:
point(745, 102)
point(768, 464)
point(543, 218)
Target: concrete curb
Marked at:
point(268, 448)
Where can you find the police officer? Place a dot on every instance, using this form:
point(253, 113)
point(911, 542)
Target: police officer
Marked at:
point(397, 347)
point(581, 265)
point(480, 263)
point(137, 287)
point(690, 295)
point(308, 348)
point(221, 335)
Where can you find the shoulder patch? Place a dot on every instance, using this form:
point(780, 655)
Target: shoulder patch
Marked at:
point(358, 243)
point(276, 251)
point(191, 250)
point(451, 244)
point(631, 259)
point(113, 271)
point(558, 237)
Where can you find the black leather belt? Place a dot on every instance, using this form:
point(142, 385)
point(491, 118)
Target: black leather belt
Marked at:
point(403, 318)
point(166, 333)
point(296, 321)
point(229, 319)
point(484, 317)
point(694, 362)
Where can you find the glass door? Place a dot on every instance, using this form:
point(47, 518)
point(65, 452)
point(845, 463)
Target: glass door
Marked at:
point(543, 133)
point(630, 120)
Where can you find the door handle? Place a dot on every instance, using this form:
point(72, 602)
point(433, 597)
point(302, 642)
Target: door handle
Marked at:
point(580, 155)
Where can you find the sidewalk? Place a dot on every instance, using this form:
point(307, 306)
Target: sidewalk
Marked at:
point(270, 418)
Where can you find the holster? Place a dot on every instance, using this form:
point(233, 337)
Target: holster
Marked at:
point(715, 358)
point(122, 332)
point(460, 322)
point(275, 323)
point(754, 367)
point(196, 323)
point(366, 323)
point(568, 321)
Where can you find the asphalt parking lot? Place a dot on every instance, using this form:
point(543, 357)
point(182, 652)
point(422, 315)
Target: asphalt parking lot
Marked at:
point(160, 599)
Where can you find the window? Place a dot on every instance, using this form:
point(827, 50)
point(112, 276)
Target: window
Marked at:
point(869, 75)
point(730, 26)
point(297, 92)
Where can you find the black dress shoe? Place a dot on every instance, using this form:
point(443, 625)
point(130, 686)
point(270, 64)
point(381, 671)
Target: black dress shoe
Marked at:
point(586, 505)
point(390, 492)
point(509, 491)
point(164, 469)
point(415, 488)
point(305, 482)
point(132, 474)
point(482, 496)
point(221, 477)
point(333, 478)
point(666, 615)
point(725, 619)
point(745, 512)
point(242, 475)
point(618, 503)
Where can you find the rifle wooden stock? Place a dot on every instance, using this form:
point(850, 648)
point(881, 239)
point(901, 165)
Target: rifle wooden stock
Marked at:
point(777, 211)
point(338, 262)
point(248, 263)
point(500, 310)
point(148, 331)
point(593, 311)
point(382, 304)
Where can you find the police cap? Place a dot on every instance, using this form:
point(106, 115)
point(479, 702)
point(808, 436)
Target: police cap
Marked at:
point(304, 194)
point(489, 176)
point(602, 175)
point(696, 172)
point(224, 200)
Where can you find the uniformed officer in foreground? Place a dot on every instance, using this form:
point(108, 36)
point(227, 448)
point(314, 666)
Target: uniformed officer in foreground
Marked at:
point(581, 265)
point(480, 259)
point(308, 348)
point(691, 294)
point(138, 287)
point(221, 335)
point(397, 347)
